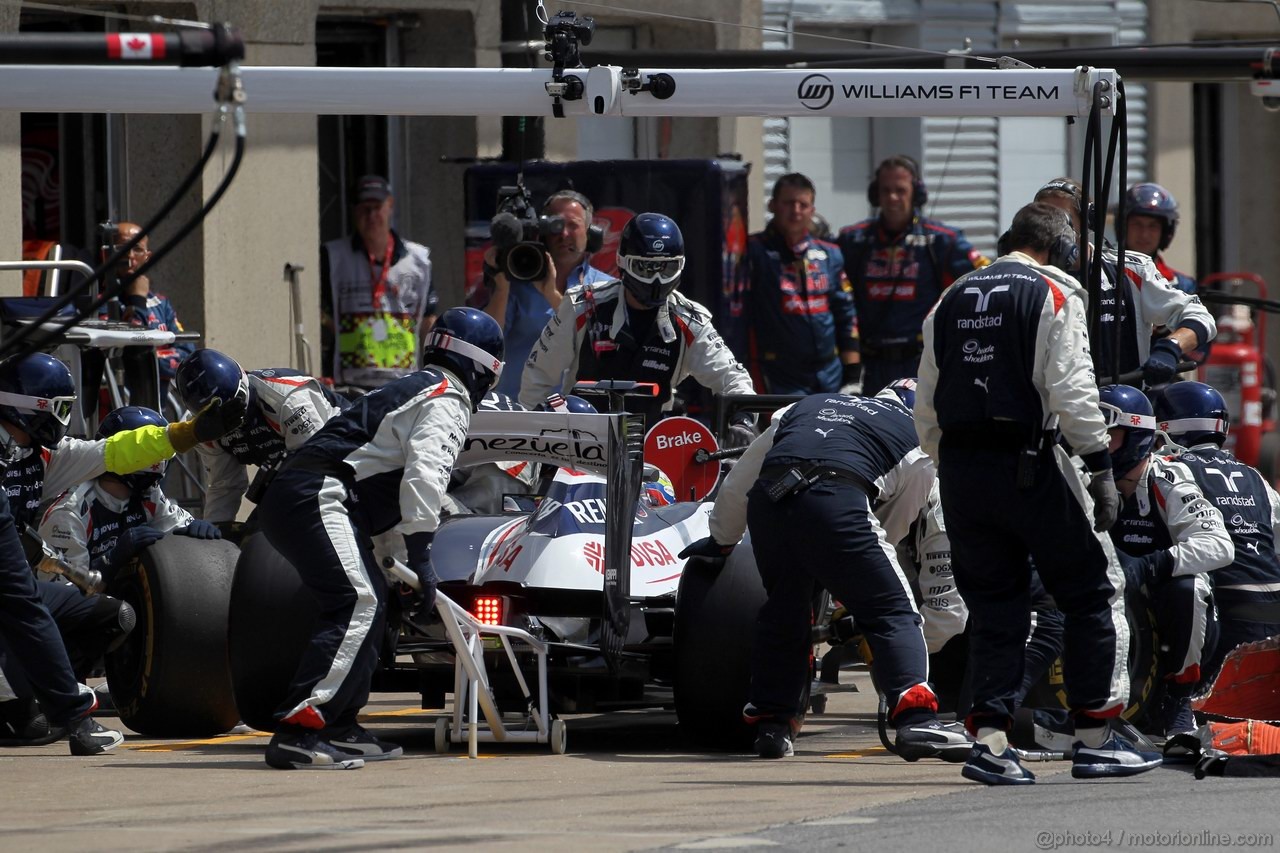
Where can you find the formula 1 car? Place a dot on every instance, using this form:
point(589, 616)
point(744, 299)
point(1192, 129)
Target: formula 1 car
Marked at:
point(586, 568)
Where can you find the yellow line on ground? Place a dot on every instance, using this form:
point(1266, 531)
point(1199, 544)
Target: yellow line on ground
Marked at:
point(862, 753)
point(192, 744)
point(403, 712)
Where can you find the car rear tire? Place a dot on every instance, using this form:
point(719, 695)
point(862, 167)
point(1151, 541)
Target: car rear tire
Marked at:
point(713, 634)
point(170, 677)
point(272, 617)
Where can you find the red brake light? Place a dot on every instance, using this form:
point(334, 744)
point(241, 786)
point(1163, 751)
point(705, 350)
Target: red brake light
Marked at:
point(487, 609)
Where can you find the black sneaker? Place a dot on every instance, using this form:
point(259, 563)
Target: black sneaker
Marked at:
point(773, 740)
point(933, 739)
point(307, 751)
point(88, 737)
point(359, 742)
point(22, 723)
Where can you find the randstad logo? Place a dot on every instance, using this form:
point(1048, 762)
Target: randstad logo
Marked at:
point(815, 91)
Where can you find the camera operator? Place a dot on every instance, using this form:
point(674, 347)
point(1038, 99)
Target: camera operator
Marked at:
point(523, 308)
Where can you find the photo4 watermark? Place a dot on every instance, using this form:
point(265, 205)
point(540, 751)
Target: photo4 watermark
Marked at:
point(1052, 840)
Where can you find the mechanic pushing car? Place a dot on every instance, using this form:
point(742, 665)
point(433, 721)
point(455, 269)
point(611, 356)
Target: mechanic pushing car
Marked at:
point(639, 329)
point(36, 398)
point(1177, 535)
point(283, 409)
point(1246, 594)
point(806, 489)
point(1006, 353)
point(382, 464)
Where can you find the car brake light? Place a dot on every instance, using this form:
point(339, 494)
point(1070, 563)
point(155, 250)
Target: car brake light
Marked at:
point(487, 609)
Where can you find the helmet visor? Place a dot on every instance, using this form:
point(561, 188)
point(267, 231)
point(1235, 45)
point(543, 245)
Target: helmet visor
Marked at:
point(59, 408)
point(1116, 417)
point(651, 270)
point(441, 339)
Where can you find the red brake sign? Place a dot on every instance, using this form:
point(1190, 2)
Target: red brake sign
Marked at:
point(671, 445)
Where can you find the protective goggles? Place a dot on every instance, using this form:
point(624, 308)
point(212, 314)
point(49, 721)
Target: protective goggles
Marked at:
point(650, 270)
point(442, 340)
point(58, 407)
point(1183, 425)
point(1128, 420)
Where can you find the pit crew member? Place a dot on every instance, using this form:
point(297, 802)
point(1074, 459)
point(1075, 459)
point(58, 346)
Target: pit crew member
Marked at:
point(36, 398)
point(823, 490)
point(1151, 219)
point(1006, 353)
point(382, 464)
point(638, 328)
point(1246, 594)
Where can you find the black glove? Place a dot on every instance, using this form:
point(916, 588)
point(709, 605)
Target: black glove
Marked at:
point(419, 547)
point(1106, 500)
point(1157, 568)
point(706, 547)
point(130, 543)
point(199, 529)
point(218, 418)
point(851, 378)
point(740, 434)
point(1162, 364)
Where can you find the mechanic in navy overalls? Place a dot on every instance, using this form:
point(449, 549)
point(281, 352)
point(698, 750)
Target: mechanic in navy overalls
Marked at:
point(898, 264)
point(638, 329)
point(1246, 594)
point(382, 465)
point(824, 490)
point(36, 398)
point(797, 331)
point(1006, 354)
point(284, 409)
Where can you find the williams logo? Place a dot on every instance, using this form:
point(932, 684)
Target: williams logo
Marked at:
point(815, 92)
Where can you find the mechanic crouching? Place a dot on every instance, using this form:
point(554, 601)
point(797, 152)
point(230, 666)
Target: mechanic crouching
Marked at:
point(823, 491)
point(383, 464)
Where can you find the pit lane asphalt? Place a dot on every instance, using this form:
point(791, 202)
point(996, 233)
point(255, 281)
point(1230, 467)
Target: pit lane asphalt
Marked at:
point(628, 783)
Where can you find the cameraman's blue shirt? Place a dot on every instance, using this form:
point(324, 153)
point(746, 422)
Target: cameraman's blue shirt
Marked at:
point(527, 313)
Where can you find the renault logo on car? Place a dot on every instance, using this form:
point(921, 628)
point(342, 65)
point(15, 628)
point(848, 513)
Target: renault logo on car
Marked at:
point(815, 91)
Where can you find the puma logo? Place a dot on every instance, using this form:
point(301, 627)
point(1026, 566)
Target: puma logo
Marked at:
point(823, 432)
point(982, 383)
point(1252, 546)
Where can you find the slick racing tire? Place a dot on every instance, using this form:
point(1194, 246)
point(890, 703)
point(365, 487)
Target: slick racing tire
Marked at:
point(714, 630)
point(170, 677)
point(272, 616)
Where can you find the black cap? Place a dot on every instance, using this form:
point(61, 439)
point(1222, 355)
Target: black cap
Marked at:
point(372, 188)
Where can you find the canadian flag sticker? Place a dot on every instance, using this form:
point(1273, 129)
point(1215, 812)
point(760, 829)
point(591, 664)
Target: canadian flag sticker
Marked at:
point(135, 46)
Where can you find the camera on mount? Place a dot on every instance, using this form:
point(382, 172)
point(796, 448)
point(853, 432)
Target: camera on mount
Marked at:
point(518, 234)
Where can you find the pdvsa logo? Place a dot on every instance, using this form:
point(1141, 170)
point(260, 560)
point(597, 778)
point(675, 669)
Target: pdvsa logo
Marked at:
point(815, 92)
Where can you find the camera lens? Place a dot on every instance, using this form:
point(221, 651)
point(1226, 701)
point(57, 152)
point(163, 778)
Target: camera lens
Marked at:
point(525, 262)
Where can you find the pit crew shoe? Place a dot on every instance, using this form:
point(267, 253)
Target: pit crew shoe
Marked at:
point(307, 751)
point(359, 742)
point(933, 739)
point(774, 740)
point(1118, 756)
point(22, 723)
point(990, 769)
point(88, 737)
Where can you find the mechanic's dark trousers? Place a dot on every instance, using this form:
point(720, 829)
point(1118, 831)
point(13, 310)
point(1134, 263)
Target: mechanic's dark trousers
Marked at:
point(879, 372)
point(817, 379)
point(307, 517)
point(1045, 644)
point(993, 526)
point(88, 624)
point(1181, 607)
point(1242, 618)
point(31, 634)
point(827, 537)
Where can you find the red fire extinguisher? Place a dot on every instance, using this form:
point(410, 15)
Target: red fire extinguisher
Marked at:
point(1236, 367)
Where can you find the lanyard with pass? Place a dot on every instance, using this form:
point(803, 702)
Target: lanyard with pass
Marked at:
point(379, 285)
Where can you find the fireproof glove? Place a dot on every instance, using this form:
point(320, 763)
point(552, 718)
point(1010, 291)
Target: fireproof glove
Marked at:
point(1162, 363)
point(419, 548)
point(851, 379)
point(130, 544)
point(706, 547)
point(209, 424)
point(199, 529)
point(740, 434)
point(1106, 500)
point(1157, 568)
